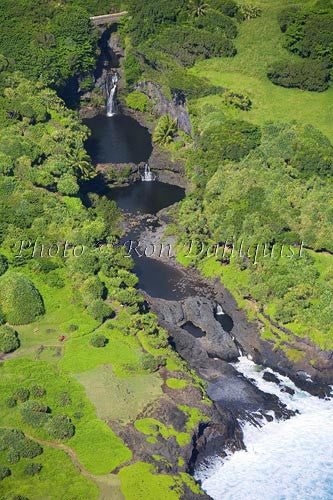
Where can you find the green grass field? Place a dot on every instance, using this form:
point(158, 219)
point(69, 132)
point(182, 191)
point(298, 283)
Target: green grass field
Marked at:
point(61, 313)
point(97, 447)
point(119, 399)
point(260, 43)
point(58, 479)
point(80, 356)
point(140, 481)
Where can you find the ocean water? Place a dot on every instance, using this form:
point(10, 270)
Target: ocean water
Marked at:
point(286, 460)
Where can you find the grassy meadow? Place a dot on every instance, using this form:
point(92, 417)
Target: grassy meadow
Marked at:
point(101, 386)
point(259, 43)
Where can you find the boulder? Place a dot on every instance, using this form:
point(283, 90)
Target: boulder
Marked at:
point(200, 311)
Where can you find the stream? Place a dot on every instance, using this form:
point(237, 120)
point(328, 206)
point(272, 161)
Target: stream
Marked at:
point(284, 459)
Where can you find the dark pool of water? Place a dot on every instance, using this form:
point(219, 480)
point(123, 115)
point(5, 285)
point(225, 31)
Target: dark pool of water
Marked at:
point(161, 280)
point(146, 197)
point(193, 330)
point(117, 139)
point(158, 278)
point(226, 321)
point(120, 139)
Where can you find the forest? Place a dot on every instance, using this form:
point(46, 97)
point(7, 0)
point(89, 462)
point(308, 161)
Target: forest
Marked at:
point(257, 182)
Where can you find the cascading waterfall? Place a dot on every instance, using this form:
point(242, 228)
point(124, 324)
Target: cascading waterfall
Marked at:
point(111, 92)
point(148, 175)
point(219, 310)
point(285, 460)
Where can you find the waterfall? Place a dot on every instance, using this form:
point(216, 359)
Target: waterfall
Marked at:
point(239, 347)
point(111, 92)
point(148, 175)
point(219, 310)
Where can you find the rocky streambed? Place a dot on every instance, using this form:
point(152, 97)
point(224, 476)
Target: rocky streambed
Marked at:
point(191, 318)
point(150, 237)
point(189, 308)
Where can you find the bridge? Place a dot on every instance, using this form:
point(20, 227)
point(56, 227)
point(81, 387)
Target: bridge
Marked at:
point(107, 18)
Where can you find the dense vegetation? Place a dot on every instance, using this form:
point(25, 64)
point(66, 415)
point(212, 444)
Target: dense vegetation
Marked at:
point(269, 195)
point(308, 33)
point(256, 181)
point(69, 307)
point(170, 36)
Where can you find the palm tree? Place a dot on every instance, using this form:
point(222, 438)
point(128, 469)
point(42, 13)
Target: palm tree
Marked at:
point(80, 162)
point(199, 8)
point(165, 130)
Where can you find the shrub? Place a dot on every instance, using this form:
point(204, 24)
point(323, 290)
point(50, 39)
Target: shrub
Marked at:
point(20, 301)
point(137, 100)
point(98, 340)
point(227, 7)
point(148, 16)
point(92, 289)
point(310, 34)
point(11, 402)
point(198, 8)
point(37, 391)
point(149, 362)
point(313, 153)
point(9, 340)
point(73, 328)
point(60, 427)
point(87, 264)
point(248, 11)
point(67, 185)
point(44, 265)
point(40, 177)
point(15, 441)
point(34, 413)
point(32, 469)
point(165, 130)
point(3, 264)
point(64, 399)
point(306, 74)
point(191, 86)
point(215, 21)
point(99, 310)
point(55, 280)
point(6, 164)
point(237, 100)
point(129, 297)
point(10, 438)
point(231, 140)
point(287, 16)
point(22, 394)
point(188, 44)
point(4, 472)
point(87, 83)
point(132, 69)
point(324, 5)
point(13, 457)
point(28, 448)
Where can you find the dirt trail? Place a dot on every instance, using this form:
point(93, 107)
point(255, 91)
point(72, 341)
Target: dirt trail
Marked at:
point(108, 484)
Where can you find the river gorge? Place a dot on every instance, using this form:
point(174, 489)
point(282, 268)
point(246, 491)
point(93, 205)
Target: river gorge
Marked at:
point(284, 422)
